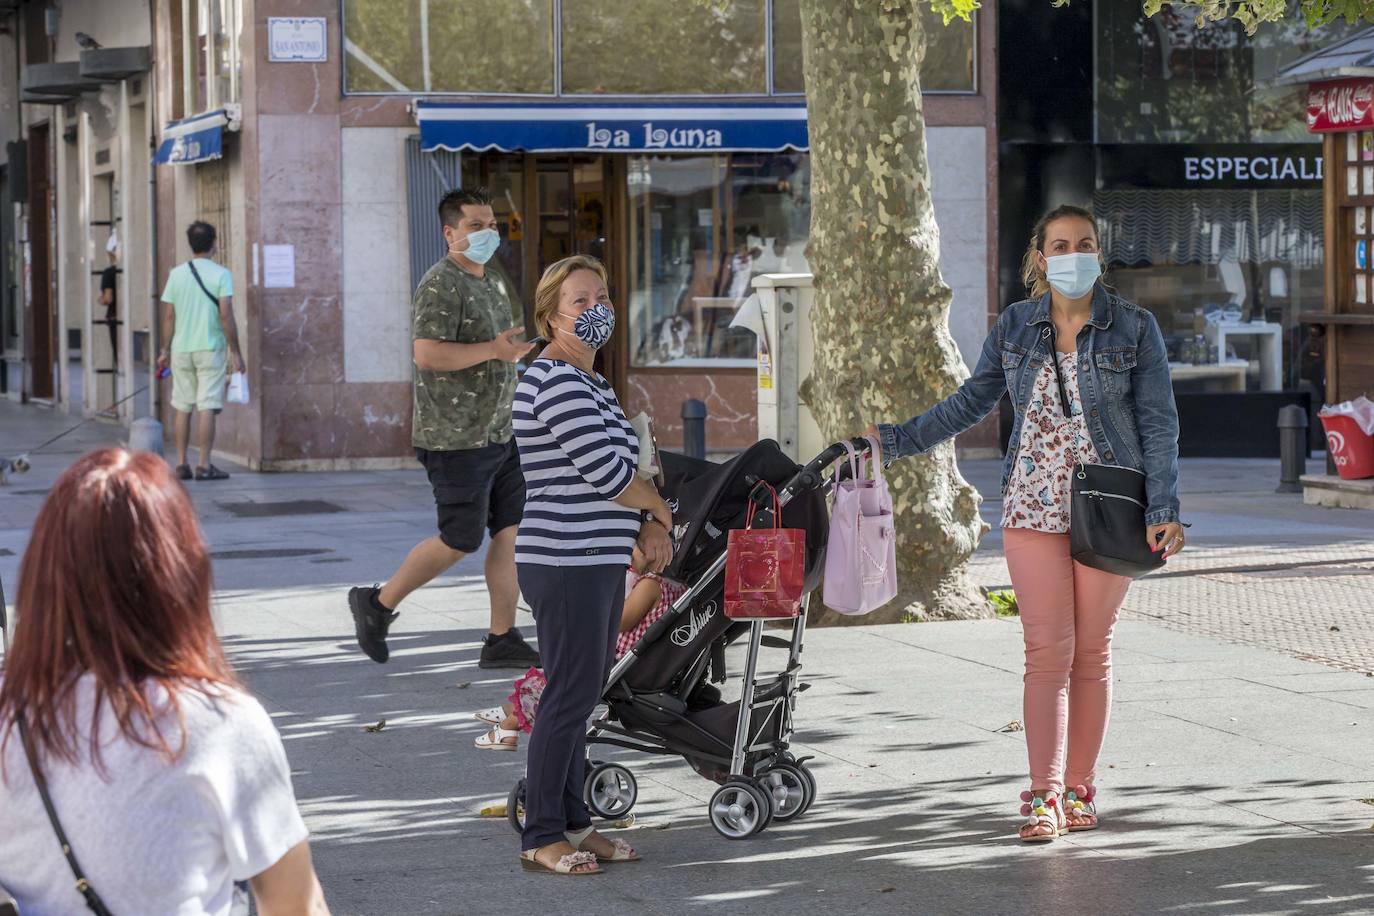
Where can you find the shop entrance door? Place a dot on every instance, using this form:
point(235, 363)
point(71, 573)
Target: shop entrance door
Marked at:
point(42, 322)
point(575, 213)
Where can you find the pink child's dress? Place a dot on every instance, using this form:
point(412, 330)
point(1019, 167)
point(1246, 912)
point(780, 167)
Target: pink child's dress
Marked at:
point(529, 688)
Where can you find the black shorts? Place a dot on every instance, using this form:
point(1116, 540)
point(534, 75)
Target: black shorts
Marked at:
point(475, 490)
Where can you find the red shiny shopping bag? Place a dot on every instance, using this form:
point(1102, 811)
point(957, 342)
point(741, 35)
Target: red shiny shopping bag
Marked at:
point(765, 569)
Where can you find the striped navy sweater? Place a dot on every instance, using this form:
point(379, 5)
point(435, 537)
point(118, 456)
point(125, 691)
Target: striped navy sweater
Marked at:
point(578, 453)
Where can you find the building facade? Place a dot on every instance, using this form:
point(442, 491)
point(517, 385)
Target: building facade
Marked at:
point(1205, 181)
point(77, 123)
point(318, 136)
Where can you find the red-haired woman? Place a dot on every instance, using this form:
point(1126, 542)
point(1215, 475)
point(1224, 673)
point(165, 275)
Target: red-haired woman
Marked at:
point(170, 781)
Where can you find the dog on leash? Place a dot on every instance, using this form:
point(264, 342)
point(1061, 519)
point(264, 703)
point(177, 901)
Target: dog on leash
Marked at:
point(16, 465)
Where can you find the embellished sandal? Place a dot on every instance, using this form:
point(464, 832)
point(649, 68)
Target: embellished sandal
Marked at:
point(565, 865)
point(1079, 811)
point(623, 851)
point(1040, 811)
point(498, 739)
point(494, 716)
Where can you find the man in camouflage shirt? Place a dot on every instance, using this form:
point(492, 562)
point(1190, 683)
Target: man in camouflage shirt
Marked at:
point(465, 351)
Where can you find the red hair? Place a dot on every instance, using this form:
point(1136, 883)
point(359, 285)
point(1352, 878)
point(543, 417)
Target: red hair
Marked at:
point(115, 584)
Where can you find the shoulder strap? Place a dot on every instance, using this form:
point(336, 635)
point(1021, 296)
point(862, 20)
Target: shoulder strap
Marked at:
point(1053, 334)
point(93, 901)
point(201, 283)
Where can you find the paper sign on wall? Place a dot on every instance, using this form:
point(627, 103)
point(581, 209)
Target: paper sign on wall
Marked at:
point(278, 266)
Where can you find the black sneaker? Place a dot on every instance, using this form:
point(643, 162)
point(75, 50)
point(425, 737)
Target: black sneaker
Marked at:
point(509, 650)
point(370, 621)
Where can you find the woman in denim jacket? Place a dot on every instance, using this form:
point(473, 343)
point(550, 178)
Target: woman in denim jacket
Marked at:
point(1121, 411)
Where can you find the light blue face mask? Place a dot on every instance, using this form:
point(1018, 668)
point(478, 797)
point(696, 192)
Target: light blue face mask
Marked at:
point(1073, 274)
point(482, 245)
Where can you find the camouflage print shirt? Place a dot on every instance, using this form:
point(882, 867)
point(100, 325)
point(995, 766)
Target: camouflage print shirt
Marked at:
point(469, 408)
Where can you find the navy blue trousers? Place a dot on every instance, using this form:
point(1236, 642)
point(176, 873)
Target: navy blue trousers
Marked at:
point(577, 617)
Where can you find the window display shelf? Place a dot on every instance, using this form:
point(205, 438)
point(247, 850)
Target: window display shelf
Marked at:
point(1231, 371)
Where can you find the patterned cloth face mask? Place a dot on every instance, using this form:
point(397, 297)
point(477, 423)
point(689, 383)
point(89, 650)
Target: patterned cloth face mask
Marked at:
point(593, 327)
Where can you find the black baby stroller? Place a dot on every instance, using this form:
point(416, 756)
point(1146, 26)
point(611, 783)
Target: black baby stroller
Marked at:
point(661, 698)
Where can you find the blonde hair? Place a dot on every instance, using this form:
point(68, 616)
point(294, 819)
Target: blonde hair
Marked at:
point(1037, 284)
point(546, 295)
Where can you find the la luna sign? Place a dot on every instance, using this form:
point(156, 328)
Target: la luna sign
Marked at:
point(652, 137)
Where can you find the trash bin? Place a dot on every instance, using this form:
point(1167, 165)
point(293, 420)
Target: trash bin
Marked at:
point(1352, 449)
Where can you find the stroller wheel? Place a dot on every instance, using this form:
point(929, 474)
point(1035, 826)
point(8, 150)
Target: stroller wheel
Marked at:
point(740, 810)
point(811, 787)
point(790, 790)
point(610, 791)
point(515, 807)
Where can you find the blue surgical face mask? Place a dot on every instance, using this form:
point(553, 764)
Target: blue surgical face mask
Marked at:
point(1073, 274)
point(593, 327)
point(482, 245)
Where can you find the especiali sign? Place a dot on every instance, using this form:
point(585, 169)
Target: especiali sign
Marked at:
point(1217, 166)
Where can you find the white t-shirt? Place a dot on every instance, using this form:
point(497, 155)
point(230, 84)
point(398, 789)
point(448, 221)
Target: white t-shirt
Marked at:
point(156, 839)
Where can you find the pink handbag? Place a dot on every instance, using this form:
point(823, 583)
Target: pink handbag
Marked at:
point(861, 555)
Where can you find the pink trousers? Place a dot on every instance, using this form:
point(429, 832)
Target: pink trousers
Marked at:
point(1067, 612)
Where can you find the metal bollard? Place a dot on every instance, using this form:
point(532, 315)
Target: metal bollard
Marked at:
point(694, 428)
point(145, 435)
point(1292, 448)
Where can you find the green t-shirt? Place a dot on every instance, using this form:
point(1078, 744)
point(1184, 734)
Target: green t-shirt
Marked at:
point(197, 316)
point(470, 408)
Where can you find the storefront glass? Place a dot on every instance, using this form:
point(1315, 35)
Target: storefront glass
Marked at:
point(480, 46)
point(1161, 79)
point(701, 228)
point(687, 48)
point(1209, 192)
point(950, 50)
point(690, 47)
point(1226, 274)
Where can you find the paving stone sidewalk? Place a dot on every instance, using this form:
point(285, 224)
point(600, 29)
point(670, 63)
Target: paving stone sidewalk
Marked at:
point(1231, 781)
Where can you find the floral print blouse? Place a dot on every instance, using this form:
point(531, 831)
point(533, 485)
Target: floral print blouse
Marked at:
point(1038, 493)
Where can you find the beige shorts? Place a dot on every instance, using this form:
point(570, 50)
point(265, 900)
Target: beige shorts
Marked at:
point(198, 380)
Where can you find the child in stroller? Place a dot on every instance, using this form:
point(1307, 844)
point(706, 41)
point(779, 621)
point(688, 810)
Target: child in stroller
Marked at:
point(659, 697)
point(647, 598)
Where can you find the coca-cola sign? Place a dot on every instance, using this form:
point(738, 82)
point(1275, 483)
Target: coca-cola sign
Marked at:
point(1340, 105)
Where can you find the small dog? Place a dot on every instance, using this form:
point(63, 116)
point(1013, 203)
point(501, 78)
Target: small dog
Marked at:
point(16, 465)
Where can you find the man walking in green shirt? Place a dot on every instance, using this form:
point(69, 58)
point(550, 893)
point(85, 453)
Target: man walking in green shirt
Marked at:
point(465, 350)
point(200, 342)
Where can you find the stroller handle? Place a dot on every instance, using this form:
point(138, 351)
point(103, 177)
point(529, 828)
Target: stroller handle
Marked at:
point(810, 476)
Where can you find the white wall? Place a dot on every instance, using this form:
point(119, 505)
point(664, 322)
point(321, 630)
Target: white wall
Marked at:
point(959, 188)
point(376, 259)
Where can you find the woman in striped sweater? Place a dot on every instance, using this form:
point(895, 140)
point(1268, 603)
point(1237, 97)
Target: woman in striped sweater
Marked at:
point(585, 511)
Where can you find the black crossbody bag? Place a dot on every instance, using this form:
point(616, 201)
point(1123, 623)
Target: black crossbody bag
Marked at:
point(93, 901)
point(1107, 521)
point(8, 905)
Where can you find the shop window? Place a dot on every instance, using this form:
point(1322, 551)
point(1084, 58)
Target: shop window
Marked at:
point(950, 50)
point(685, 47)
point(211, 62)
point(1226, 273)
point(1161, 79)
point(701, 228)
point(477, 46)
point(690, 47)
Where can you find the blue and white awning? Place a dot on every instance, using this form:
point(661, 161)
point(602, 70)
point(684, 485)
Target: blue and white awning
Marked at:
point(193, 140)
point(548, 127)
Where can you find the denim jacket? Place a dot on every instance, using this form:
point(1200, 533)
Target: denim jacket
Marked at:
point(1123, 376)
